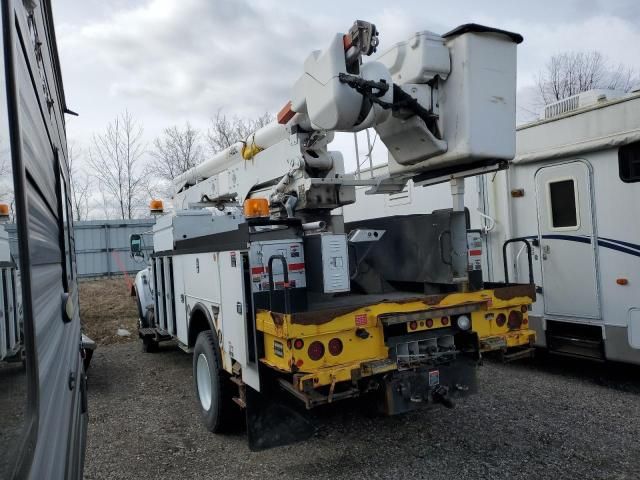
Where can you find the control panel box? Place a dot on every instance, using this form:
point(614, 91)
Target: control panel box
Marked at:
point(277, 273)
point(280, 253)
point(327, 259)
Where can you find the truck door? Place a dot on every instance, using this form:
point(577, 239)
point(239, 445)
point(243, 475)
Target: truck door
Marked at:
point(567, 240)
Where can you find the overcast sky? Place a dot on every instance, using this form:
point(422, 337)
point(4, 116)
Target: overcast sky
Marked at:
point(169, 61)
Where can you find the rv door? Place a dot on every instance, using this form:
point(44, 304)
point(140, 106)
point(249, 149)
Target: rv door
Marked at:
point(567, 241)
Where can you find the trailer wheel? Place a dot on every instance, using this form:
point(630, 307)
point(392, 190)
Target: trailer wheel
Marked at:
point(212, 385)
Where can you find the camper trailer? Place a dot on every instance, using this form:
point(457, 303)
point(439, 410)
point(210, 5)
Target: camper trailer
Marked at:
point(43, 388)
point(573, 193)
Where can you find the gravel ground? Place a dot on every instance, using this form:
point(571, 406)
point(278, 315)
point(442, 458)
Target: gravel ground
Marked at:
point(548, 419)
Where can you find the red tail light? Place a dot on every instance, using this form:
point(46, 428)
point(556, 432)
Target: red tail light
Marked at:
point(335, 346)
point(298, 343)
point(515, 319)
point(525, 321)
point(429, 322)
point(316, 350)
point(445, 321)
point(413, 325)
point(501, 319)
point(523, 309)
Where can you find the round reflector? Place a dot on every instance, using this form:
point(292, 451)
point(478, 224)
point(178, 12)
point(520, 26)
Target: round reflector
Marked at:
point(298, 343)
point(335, 346)
point(413, 325)
point(445, 320)
point(429, 322)
point(501, 319)
point(316, 350)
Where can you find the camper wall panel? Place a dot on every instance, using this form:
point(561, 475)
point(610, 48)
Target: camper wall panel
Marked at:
point(524, 220)
point(38, 152)
point(617, 209)
point(40, 105)
point(57, 343)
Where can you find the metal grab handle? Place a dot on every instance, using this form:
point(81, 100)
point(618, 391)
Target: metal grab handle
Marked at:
point(285, 268)
point(529, 257)
point(448, 232)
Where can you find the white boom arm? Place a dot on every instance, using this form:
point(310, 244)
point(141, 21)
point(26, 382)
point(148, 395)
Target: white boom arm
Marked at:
point(441, 104)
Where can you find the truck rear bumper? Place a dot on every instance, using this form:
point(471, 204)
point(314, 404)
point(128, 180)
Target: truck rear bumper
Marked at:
point(390, 391)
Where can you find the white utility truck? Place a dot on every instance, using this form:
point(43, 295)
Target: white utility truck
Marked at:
point(279, 305)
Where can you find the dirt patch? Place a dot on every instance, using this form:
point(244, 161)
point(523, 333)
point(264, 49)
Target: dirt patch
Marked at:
point(106, 306)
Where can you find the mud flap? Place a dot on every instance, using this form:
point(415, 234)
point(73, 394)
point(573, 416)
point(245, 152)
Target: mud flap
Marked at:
point(271, 422)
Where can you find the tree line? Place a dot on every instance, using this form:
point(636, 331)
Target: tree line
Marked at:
point(121, 172)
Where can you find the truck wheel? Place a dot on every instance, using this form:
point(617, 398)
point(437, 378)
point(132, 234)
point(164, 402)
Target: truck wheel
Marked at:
point(142, 321)
point(149, 345)
point(212, 384)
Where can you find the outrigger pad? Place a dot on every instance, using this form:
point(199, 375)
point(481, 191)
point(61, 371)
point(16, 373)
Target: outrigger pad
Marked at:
point(273, 423)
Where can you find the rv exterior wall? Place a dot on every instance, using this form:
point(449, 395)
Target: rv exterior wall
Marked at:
point(591, 137)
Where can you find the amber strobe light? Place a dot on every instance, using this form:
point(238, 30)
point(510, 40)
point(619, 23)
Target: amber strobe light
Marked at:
point(256, 207)
point(156, 207)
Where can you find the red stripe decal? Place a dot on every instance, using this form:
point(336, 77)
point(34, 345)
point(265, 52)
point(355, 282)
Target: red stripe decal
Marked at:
point(257, 270)
point(475, 253)
point(296, 266)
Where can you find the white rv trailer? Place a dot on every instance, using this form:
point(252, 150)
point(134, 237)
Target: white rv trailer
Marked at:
point(572, 191)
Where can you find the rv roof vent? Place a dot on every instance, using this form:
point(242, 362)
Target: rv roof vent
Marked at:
point(581, 100)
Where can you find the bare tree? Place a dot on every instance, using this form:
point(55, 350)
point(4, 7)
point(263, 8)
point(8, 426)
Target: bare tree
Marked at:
point(225, 131)
point(80, 186)
point(175, 152)
point(115, 157)
point(570, 73)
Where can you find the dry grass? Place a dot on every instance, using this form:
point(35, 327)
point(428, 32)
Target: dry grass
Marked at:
point(105, 306)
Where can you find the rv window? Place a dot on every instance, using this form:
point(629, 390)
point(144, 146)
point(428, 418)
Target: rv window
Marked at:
point(629, 162)
point(562, 196)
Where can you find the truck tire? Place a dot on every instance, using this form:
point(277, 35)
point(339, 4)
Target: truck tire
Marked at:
point(212, 385)
point(141, 319)
point(149, 345)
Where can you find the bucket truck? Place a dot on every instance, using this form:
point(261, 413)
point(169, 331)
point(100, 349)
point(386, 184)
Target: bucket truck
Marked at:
point(254, 274)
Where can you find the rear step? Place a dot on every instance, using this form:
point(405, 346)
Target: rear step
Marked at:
point(575, 340)
point(512, 355)
point(575, 347)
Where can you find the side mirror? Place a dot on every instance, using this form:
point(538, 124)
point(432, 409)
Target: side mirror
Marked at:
point(135, 246)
